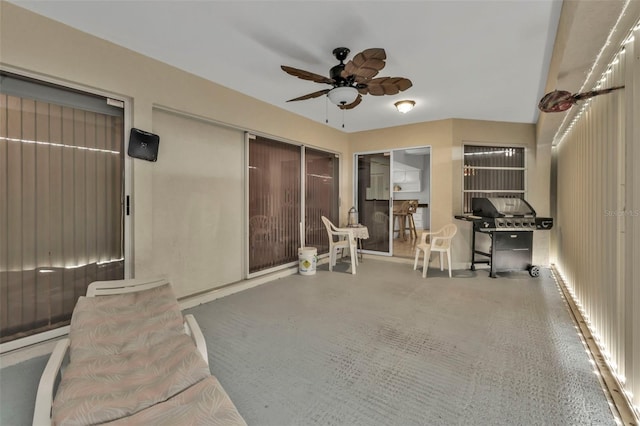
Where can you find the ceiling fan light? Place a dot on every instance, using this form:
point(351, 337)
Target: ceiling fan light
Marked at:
point(405, 106)
point(343, 95)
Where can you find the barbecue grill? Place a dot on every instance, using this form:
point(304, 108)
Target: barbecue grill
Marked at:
point(509, 223)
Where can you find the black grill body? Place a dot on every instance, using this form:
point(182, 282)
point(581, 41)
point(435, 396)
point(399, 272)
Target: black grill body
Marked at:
point(509, 223)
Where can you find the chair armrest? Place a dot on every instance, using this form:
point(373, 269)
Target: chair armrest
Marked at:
point(425, 234)
point(48, 380)
point(193, 329)
point(343, 232)
point(445, 240)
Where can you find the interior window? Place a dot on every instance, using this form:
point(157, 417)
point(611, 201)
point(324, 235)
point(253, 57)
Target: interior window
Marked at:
point(492, 171)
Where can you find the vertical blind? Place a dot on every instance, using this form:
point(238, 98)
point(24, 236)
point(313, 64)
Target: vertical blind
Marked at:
point(598, 215)
point(61, 216)
point(321, 196)
point(491, 171)
point(274, 203)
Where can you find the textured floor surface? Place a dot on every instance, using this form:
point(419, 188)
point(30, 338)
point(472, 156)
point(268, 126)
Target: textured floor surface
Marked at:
point(386, 347)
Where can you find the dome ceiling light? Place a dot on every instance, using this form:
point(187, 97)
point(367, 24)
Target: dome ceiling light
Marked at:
point(405, 106)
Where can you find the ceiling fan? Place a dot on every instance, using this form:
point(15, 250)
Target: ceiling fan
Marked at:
point(352, 80)
point(562, 100)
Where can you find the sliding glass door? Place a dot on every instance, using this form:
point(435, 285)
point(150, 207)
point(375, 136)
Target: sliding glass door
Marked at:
point(278, 172)
point(274, 203)
point(386, 181)
point(61, 208)
point(373, 199)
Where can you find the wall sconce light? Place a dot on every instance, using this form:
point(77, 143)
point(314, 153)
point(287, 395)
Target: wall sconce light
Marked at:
point(405, 106)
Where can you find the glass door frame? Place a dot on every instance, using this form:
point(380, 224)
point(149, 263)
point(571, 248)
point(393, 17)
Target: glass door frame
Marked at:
point(125, 103)
point(426, 179)
point(356, 155)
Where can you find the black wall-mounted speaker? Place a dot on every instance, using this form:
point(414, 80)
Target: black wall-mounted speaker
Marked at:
point(143, 145)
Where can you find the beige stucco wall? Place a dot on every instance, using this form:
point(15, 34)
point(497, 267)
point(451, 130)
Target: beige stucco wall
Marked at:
point(44, 48)
point(436, 134)
point(538, 163)
point(446, 138)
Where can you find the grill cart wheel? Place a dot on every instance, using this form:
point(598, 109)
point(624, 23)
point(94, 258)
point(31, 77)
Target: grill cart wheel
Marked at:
point(534, 271)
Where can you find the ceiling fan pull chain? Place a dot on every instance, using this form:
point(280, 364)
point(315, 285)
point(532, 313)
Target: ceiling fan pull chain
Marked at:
point(326, 110)
point(342, 118)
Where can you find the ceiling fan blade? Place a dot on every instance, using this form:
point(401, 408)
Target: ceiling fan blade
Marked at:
point(387, 86)
point(365, 64)
point(310, 95)
point(306, 75)
point(592, 93)
point(352, 104)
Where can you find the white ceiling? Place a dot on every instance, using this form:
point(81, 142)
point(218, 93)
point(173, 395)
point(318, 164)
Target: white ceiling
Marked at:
point(474, 59)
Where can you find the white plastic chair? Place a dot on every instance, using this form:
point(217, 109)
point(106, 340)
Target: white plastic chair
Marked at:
point(340, 244)
point(440, 241)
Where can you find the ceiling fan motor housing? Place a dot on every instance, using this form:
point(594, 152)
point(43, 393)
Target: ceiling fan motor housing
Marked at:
point(336, 74)
point(341, 53)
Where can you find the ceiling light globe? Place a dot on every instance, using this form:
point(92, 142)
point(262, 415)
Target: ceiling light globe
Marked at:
point(343, 95)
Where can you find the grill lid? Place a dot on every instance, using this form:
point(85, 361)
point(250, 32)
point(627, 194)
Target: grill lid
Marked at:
point(501, 207)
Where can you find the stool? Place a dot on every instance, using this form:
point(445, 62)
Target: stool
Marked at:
point(412, 208)
point(401, 217)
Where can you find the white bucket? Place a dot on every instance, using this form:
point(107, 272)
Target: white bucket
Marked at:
point(307, 260)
